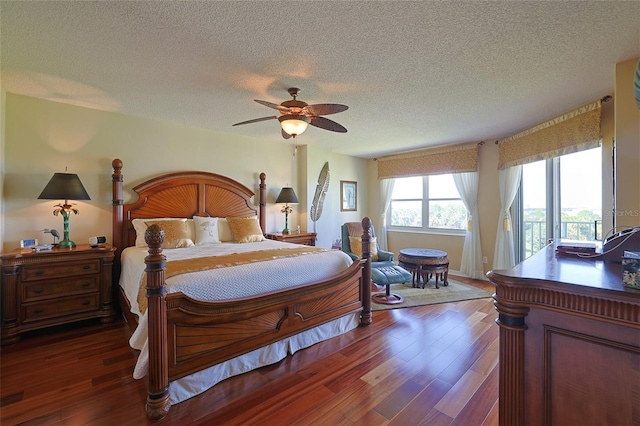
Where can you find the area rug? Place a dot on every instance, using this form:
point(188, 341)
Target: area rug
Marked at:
point(430, 295)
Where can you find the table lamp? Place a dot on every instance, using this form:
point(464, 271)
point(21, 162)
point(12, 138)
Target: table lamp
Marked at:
point(287, 195)
point(64, 186)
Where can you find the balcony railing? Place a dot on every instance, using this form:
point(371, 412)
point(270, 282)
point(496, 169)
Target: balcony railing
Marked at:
point(535, 233)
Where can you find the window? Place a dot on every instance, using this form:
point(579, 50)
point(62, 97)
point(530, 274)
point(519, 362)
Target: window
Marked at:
point(427, 202)
point(560, 198)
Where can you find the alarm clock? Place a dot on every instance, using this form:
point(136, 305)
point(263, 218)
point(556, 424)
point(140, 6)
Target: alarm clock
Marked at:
point(96, 241)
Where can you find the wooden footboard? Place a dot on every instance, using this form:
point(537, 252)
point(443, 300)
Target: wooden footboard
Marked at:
point(187, 335)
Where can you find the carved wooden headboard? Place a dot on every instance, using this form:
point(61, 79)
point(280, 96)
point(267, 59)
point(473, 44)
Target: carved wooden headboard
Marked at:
point(181, 194)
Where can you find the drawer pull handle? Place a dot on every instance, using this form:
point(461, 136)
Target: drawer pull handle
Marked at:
point(39, 272)
point(38, 311)
point(38, 290)
point(86, 303)
point(85, 285)
point(86, 267)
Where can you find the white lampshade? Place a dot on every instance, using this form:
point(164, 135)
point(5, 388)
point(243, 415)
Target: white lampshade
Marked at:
point(294, 124)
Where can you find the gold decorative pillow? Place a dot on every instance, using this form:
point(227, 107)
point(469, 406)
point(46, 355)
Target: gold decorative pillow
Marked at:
point(177, 233)
point(356, 247)
point(140, 226)
point(245, 229)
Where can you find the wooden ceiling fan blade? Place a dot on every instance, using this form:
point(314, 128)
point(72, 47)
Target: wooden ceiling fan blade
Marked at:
point(325, 123)
point(256, 120)
point(325, 109)
point(281, 108)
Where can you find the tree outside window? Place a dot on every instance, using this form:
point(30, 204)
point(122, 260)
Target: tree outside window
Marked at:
point(425, 202)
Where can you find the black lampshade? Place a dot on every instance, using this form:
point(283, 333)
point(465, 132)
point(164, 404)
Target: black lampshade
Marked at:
point(64, 186)
point(287, 195)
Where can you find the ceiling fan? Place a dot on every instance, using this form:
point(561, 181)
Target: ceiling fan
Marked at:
point(297, 115)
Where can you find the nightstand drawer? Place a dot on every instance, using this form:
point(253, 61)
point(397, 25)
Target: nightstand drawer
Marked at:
point(43, 290)
point(56, 270)
point(36, 311)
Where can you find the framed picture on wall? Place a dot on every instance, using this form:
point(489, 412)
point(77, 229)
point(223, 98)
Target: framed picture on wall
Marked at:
point(348, 196)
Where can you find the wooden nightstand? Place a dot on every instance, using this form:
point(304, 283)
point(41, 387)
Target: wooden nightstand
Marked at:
point(42, 289)
point(306, 238)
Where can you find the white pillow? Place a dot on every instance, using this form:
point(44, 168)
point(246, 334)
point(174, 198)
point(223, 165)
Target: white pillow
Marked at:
point(140, 226)
point(224, 230)
point(206, 230)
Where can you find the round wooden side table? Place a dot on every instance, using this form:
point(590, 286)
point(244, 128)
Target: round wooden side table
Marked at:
point(425, 262)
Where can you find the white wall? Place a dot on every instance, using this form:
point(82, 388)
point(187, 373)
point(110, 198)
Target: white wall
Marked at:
point(44, 137)
point(627, 128)
point(341, 167)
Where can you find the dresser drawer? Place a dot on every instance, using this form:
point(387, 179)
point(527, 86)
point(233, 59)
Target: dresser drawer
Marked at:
point(57, 270)
point(58, 307)
point(38, 290)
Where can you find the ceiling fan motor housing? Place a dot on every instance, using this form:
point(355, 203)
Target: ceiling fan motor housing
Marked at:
point(294, 105)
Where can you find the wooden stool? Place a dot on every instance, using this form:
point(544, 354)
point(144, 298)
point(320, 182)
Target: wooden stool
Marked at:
point(415, 272)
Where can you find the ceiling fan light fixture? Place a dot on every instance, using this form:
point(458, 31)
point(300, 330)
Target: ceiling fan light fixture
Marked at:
point(294, 124)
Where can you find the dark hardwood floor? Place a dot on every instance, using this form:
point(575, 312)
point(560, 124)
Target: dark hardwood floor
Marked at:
point(432, 365)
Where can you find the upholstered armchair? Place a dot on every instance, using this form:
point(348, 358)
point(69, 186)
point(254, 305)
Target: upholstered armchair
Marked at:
point(385, 258)
point(384, 271)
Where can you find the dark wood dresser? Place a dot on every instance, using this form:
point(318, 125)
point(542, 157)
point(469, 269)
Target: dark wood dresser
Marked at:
point(569, 342)
point(42, 289)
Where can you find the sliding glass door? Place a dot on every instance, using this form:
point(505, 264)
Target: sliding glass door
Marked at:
point(559, 198)
point(535, 223)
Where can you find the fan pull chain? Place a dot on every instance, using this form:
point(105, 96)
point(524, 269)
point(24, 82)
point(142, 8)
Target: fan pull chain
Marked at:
point(293, 159)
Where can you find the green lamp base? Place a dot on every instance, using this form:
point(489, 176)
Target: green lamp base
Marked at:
point(66, 243)
point(286, 231)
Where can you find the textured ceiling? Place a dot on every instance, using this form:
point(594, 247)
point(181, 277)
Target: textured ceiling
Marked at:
point(414, 74)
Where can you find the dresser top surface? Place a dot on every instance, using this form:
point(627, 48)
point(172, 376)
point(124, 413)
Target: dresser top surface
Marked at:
point(581, 273)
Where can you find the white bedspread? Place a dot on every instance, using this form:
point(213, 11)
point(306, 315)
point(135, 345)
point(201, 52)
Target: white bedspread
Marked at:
point(230, 283)
point(234, 281)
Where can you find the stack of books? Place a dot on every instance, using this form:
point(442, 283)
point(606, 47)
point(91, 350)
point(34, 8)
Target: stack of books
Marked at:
point(572, 248)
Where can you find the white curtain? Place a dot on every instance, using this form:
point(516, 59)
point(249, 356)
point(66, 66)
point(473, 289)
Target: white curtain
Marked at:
point(504, 256)
point(386, 190)
point(467, 184)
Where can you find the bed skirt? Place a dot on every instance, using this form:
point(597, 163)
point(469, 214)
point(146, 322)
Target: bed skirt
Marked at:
point(199, 382)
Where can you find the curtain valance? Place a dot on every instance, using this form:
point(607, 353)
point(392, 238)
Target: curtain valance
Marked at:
point(573, 131)
point(431, 161)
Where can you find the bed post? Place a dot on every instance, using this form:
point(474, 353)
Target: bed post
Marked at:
point(366, 317)
point(117, 202)
point(263, 203)
point(158, 386)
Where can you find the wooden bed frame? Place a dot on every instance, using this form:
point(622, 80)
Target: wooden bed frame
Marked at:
point(186, 335)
